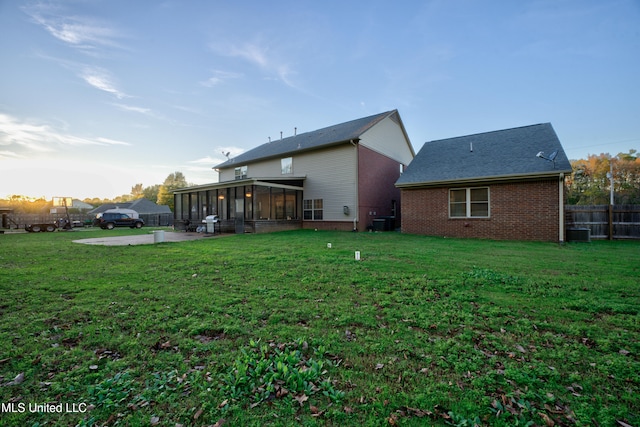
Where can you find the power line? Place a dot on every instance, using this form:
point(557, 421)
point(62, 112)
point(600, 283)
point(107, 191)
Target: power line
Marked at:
point(605, 143)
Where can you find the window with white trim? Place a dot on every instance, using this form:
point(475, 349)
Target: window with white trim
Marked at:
point(312, 209)
point(469, 202)
point(286, 165)
point(241, 172)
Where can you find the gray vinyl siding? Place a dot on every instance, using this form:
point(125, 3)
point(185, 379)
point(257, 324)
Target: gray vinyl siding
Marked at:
point(388, 138)
point(265, 168)
point(331, 175)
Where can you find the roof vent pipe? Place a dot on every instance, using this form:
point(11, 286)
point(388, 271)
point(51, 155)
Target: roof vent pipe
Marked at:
point(280, 134)
point(295, 131)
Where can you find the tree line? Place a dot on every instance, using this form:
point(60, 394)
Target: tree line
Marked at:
point(159, 193)
point(589, 184)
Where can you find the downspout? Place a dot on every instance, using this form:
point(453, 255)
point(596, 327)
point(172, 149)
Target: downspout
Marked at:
point(356, 205)
point(561, 207)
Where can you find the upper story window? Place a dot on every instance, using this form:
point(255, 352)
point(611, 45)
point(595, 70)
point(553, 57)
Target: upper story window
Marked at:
point(469, 202)
point(241, 172)
point(287, 165)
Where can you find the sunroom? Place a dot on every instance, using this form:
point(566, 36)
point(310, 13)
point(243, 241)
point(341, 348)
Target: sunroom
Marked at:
point(250, 205)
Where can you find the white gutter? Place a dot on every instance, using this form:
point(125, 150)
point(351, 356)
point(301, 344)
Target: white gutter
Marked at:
point(356, 204)
point(561, 207)
point(482, 179)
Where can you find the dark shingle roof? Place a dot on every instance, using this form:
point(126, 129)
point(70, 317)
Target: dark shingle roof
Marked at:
point(145, 206)
point(142, 206)
point(491, 155)
point(309, 140)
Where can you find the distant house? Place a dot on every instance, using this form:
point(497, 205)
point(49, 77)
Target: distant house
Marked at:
point(81, 206)
point(76, 206)
point(506, 184)
point(152, 213)
point(340, 177)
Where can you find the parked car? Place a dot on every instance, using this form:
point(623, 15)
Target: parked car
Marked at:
point(110, 220)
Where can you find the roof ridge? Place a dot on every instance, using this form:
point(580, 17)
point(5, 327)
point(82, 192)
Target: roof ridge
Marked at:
point(488, 132)
point(310, 140)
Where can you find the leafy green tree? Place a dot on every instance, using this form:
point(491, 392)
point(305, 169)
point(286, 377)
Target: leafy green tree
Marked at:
point(151, 192)
point(172, 182)
point(24, 204)
point(137, 191)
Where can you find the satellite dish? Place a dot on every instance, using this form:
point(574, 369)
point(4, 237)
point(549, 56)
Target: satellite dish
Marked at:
point(550, 158)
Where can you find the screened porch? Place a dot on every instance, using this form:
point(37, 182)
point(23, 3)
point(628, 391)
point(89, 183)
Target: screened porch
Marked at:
point(242, 206)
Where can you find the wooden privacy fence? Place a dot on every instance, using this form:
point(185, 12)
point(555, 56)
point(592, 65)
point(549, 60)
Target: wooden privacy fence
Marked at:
point(605, 221)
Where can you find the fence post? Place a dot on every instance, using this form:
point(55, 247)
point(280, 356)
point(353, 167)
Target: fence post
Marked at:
point(610, 222)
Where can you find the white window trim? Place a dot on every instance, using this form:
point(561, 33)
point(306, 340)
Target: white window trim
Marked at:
point(290, 166)
point(313, 210)
point(243, 172)
point(468, 203)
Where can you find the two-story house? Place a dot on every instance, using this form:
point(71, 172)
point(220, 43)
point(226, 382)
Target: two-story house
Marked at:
point(339, 177)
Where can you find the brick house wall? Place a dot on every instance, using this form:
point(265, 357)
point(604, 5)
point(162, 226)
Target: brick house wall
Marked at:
point(328, 225)
point(519, 210)
point(377, 175)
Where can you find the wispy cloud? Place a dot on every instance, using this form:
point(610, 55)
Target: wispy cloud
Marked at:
point(109, 141)
point(207, 160)
point(135, 109)
point(4, 155)
point(219, 77)
point(84, 33)
point(101, 79)
point(210, 161)
point(21, 136)
point(260, 55)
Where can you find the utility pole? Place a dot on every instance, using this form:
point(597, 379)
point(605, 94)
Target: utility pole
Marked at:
point(610, 176)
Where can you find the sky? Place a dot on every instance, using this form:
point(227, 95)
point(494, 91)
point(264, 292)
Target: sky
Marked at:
point(97, 96)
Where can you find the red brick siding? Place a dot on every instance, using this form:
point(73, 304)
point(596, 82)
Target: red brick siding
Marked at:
point(377, 175)
point(328, 225)
point(525, 210)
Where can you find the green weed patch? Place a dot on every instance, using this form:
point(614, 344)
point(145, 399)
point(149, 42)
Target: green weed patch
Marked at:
point(281, 330)
point(289, 371)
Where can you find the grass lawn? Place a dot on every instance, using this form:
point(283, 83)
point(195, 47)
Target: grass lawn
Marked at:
point(278, 329)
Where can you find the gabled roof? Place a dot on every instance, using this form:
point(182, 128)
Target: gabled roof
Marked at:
point(291, 183)
point(107, 206)
point(142, 206)
point(146, 206)
point(320, 138)
point(503, 154)
point(79, 204)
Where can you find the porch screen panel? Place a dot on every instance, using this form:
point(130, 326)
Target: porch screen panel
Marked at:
point(185, 205)
point(290, 204)
point(248, 202)
point(177, 201)
point(277, 205)
point(262, 203)
point(202, 204)
point(222, 203)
